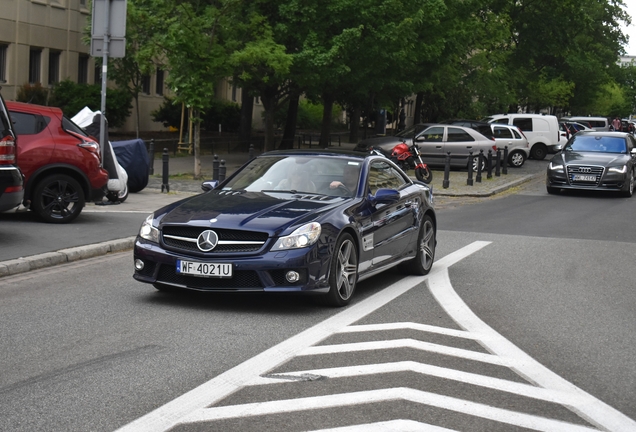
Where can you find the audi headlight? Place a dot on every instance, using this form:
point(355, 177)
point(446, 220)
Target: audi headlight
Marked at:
point(148, 232)
point(302, 237)
point(619, 170)
point(555, 167)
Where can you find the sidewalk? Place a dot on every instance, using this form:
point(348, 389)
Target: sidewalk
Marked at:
point(181, 185)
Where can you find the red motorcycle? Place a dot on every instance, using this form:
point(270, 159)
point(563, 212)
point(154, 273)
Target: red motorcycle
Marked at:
point(408, 157)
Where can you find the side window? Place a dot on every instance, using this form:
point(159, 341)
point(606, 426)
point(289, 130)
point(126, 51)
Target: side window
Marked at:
point(502, 132)
point(525, 124)
point(516, 134)
point(27, 124)
point(384, 176)
point(458, 135)
point(630, 144)
point(432, 134)
point(503, 120)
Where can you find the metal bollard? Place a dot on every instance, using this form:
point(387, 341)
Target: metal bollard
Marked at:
point(446, 182)
point(222, 170)
point(151, 156)
point(489, 175)
point(215, 168)
point(498, 163)
point(165, 158)
point(469, 181)
point(504, 162)
point(481, 158)
point(251, 152)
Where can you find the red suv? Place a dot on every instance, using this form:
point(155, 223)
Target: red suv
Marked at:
point(60, 162)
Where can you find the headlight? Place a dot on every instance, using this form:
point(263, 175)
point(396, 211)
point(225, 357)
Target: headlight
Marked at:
point(555, 167)
point(304, 236)
point(148, 232)
point(620, 170)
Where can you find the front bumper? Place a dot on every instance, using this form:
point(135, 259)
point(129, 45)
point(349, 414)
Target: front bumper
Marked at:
point(265, 272)
point(606, 181)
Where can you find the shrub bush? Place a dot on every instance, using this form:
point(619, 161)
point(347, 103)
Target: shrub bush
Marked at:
point(33, 93)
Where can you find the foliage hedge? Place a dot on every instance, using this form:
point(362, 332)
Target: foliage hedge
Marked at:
point(225, 113)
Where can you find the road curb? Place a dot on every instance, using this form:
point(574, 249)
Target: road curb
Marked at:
point(49, 259)
point(490, 192)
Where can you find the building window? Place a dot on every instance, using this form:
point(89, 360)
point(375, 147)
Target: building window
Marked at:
point(54, 67)
point(35, 60)
point(159, 83)
point(3, 62)
point(82, 69)
point(145, 84)
point(83, 3)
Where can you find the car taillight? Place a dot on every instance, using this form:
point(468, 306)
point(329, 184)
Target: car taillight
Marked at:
point(7, 150)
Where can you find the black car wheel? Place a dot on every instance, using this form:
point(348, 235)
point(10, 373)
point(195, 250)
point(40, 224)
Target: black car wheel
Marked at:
point(426, 242)
point(516, 158)
point(484, 163)
point(539, 151)
point(629, 187)
point(343, 273)
point(58, 199)
point(552, 190)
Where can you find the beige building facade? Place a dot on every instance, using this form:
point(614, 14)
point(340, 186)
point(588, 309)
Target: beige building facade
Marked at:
point(41, 41)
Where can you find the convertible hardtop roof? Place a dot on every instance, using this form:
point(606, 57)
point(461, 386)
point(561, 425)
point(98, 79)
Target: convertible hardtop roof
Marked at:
point(318, 152)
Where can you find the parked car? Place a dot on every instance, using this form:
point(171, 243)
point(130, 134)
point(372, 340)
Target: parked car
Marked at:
point(346, 217)
point(11, 180)
point(595, 161)
point(596, 123)
point(386, 143)
point(480, 126)
point(542, 131)
point(517, 143)
point(60, 162)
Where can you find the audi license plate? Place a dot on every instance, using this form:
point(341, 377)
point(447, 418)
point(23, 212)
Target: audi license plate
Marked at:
point(581, 177)
point(204, 269)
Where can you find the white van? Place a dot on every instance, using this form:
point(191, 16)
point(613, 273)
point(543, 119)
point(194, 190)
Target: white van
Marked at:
point(542, 131)
point(596, 123)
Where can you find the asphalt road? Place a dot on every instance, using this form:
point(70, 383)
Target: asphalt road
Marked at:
point(85, 347)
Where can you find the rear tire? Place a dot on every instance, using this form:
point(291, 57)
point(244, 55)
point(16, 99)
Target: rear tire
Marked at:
point(58, 199)
point(477, 160)
point(424, 174)
point(516, 158)
point(538, 151)
point(426, 242)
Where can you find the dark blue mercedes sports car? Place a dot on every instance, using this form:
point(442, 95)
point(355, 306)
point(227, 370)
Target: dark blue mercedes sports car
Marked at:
point(292, 221)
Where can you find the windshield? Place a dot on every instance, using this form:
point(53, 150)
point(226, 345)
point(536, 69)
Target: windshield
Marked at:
point(296, 174)
point(594, 143)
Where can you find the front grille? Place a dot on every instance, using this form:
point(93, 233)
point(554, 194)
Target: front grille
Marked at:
point(596, 171)
point(242, 279)
point(223, 234)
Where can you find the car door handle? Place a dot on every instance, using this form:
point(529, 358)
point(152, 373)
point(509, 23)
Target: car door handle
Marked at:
point(408, 204)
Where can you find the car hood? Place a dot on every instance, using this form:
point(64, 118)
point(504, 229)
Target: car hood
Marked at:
point(253, 211)
point(593, 158)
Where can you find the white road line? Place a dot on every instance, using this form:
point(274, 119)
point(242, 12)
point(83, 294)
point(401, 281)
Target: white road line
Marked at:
point(389, 426)
point(588, 407)
point(408, 343)
point(170, 414)
point(528, 421)
point(409, 326)
point(499, 384)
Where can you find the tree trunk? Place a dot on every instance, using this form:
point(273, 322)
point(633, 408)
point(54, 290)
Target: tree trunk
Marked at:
point(292, 118)
point(247, 108)
point(354, 125)
point(417, 112)
point(137, 109)
point(268, 97)
point(197, 144)
point(325, 129)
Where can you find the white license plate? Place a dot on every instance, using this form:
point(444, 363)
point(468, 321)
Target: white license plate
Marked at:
point(204, 269)
point(580, 177)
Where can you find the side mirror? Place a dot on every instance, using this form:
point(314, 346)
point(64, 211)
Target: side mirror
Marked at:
point(385, 196)
point(420, 139)
point(633, 152)
point(208, 185)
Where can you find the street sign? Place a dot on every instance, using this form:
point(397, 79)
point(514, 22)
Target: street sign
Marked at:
point(109, 18)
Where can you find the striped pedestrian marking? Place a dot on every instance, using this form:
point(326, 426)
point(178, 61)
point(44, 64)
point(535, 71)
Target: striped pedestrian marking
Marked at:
point(543, 385)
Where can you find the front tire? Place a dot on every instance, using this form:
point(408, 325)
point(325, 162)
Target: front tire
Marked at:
point(629, 187)
point(58, 199)
point(552, 190)
point(426, 242)
point(343, 272)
